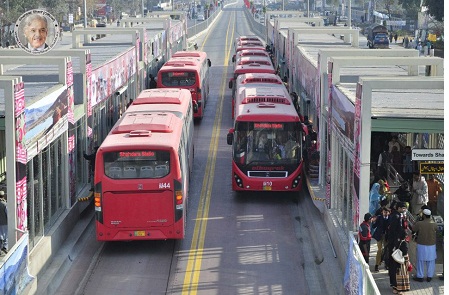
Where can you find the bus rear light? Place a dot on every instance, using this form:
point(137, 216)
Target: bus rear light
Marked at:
point(178, 197)
point(97, 199)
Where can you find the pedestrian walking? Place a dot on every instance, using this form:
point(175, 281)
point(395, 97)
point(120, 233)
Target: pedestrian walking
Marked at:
point(379, 226)
point(391, 37)
point(426, 250)
point(384, 163)
point(403, 193)
point(365, 236)
point(3, 223)
point(420, 195)
point(397, 227)
point(408, 165)
point(419, 48)
point(374, 198)
point(395, 38)
point(398, 272)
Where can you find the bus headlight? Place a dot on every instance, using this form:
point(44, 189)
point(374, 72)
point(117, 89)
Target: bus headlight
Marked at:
point(238, 180)
point(296, 181)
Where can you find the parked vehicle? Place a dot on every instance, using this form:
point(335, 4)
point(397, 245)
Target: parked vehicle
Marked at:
point(377, 36)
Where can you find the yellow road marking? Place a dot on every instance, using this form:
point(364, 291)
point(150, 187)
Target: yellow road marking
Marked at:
point(193, 269)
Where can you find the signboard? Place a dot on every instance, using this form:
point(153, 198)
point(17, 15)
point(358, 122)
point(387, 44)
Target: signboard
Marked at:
point(427, 155)
point(70, 18)
point(431, 168)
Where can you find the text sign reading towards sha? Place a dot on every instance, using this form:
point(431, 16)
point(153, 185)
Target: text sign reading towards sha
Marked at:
point(427, 155)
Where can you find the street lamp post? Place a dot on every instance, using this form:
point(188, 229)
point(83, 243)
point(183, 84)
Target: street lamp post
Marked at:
point(85, 13)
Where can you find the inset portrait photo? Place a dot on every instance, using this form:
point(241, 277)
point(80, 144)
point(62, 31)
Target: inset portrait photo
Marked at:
point(36, 31)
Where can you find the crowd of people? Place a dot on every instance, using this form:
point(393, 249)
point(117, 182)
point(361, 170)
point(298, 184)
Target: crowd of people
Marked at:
point(395, 162)
point(388, 223)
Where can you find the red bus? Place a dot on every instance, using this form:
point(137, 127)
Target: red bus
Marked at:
point(248, 52)
point(254, 80)
point(245, 45)
point(245, 60)
point(188, 70)
point(247, 69)
point(142, 169)
point(266, 141)
point(248, 38)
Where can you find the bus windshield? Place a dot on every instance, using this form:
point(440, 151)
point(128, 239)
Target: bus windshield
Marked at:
point(256, 142)
point(175, 79)
point(136, 164)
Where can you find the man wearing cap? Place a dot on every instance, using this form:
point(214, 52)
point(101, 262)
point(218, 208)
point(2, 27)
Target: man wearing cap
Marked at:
point(3, 223)
point(426, 250)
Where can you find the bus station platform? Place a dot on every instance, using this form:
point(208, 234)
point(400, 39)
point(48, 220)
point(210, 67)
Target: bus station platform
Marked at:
point(382, 280)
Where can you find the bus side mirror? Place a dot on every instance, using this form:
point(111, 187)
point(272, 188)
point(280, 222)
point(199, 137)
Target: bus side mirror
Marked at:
point(230, 84)
point(233, 58)
point(209, 63)
point(230, 136)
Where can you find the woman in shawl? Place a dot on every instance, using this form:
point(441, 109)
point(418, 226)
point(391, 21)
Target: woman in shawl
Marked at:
point(374, 198)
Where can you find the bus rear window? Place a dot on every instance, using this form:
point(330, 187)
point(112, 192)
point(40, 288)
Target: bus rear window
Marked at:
point(136, 164)
point(174, 79)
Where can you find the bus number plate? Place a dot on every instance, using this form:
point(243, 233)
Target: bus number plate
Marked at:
point(267, 185)
point(139, 233)
point(164, 185)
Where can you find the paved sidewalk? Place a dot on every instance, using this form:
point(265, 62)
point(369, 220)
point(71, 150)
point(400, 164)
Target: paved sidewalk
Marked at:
point(435, 287)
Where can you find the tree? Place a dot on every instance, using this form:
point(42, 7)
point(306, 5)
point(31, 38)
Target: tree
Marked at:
point(435, 8)
point(411, 7)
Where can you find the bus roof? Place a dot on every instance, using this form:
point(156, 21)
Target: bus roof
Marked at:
point(241, 47)
point(244, 60)
point(172, 100)
point(141, 130)
point(262, 78)
point(251, 52)
point(255, 103)
point(248, 38)
point(253, 68)
point(268, 94)
point(263, 112)
point(162, 96)
point(249, 42)
point(197, 54)
point(151, 121)
point(179, 62)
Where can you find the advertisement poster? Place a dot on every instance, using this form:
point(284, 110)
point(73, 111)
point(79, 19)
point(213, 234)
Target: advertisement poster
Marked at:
point(21, 156)
point(14, 274)
point(106, 79)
